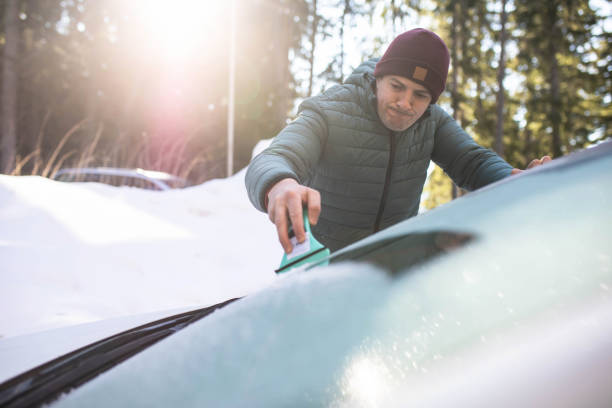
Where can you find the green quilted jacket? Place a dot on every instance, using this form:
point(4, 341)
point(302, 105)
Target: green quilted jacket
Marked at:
point(369, 177)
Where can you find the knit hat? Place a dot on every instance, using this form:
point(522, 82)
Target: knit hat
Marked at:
point(419, 55)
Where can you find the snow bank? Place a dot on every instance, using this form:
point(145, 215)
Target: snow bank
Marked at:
point(80, 252)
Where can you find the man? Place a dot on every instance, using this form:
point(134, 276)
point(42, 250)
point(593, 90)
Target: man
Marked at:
point(357, 155)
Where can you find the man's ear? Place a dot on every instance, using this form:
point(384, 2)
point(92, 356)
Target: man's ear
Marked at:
point(375, 84)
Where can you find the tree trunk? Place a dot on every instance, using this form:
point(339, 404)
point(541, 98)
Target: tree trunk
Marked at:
point(393, 15)
point(555, 114)
point(347, 8)
point(499, 145)
point(455, 85)
point(480, 112)
point(464, 35)
point(10, 82)
point(555, 98)
point(455, 62)
point(313, 41)
point(282, 65)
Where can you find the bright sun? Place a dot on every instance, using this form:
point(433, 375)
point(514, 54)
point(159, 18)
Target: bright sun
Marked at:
point(181, 28)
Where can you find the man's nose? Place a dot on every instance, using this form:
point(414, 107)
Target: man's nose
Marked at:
point(405, 102)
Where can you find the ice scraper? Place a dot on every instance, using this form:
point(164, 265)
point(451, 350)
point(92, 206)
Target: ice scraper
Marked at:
point(307, 252)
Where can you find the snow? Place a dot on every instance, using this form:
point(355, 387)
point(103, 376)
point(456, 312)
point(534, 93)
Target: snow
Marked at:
point(72, 253)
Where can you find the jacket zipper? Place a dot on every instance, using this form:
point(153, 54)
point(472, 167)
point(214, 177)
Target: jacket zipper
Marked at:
point(383, 199)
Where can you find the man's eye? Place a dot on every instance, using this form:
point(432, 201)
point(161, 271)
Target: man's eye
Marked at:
point(396, 87)
point(422, 95)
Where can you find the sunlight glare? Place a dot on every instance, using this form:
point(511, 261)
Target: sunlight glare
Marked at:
point(366, 381)
point(180, 28)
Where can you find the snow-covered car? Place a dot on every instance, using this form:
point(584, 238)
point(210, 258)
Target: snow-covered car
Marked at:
point(147, 179)
point(500, 298)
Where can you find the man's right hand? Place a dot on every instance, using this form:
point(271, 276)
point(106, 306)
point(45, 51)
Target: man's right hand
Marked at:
point(285, 201)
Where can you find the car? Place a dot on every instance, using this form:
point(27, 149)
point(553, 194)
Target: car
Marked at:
point(500, 298)
point(147, 179)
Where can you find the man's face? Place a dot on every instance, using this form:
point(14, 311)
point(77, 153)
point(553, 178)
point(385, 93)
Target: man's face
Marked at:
point(401, 102)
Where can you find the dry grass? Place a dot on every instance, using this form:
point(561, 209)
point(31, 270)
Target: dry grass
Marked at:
point(172, 156)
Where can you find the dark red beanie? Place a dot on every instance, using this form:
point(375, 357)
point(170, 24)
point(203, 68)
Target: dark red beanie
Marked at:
point(419, 55)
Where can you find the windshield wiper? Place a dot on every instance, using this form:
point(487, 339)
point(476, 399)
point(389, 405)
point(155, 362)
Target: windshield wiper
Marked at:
point(47, 382)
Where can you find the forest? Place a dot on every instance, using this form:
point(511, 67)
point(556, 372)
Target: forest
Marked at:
point(145, 83)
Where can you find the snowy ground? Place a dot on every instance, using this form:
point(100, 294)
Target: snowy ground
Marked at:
point(72, 253)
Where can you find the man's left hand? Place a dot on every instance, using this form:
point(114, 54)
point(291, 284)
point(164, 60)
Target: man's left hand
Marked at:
point(534, 163)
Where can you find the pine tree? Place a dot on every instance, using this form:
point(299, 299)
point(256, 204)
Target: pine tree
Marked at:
point(559, 57)
point(501, 91)
point(10, 82)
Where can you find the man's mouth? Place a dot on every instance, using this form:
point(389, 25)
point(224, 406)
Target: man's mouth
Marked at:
point(400, 112)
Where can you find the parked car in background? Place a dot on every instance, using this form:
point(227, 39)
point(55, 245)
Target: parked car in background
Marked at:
point(501, 298)
point(147, 179)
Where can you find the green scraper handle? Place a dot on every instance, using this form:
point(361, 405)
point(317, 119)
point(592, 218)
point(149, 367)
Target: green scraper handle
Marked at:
point(307, 252)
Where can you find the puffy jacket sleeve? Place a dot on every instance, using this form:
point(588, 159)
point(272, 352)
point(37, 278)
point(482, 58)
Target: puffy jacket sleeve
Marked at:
point(470, 165)
point(292, 154)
